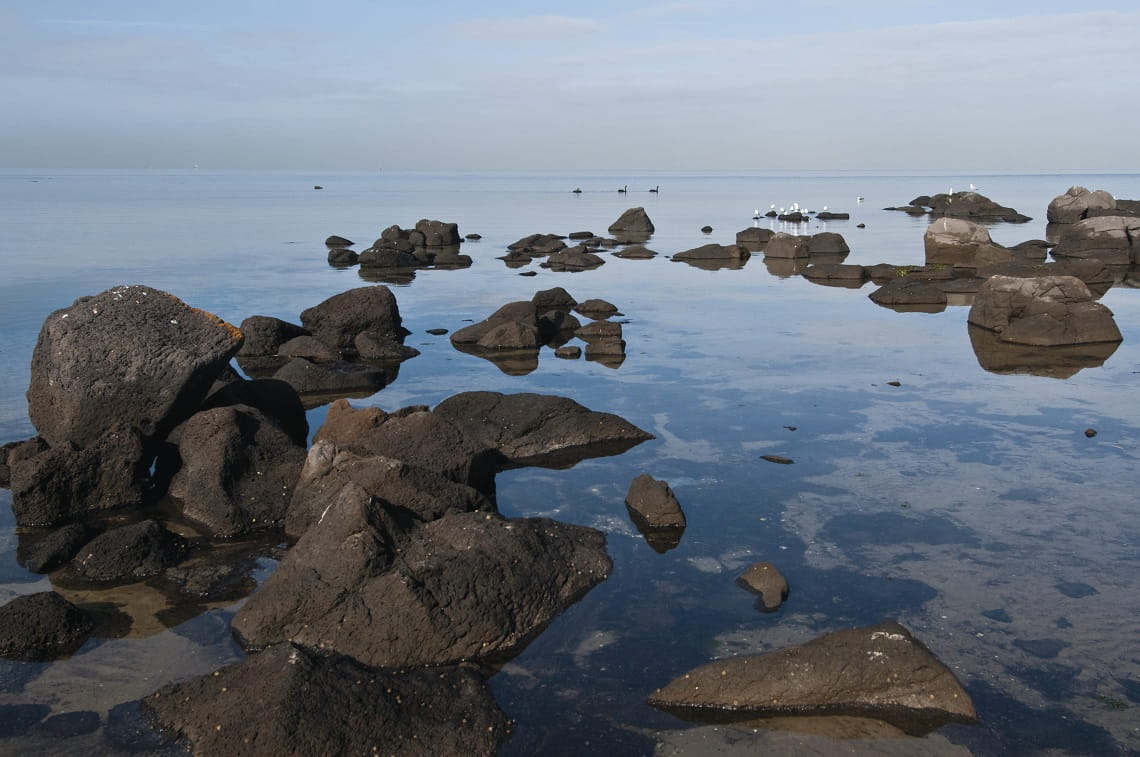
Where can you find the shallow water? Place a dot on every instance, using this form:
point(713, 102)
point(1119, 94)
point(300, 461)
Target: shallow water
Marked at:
point(967, 504)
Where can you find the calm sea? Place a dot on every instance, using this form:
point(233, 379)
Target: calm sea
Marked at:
point(967, 504)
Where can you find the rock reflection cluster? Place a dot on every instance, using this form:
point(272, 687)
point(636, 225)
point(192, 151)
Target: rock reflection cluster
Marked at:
point(401, 559)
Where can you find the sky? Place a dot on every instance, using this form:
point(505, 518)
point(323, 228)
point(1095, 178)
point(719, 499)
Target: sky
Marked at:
point(595, 84)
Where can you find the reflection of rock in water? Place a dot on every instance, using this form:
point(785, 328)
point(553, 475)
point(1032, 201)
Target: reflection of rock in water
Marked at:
point(397, 276)
point(510, 362)
point(1062, 362)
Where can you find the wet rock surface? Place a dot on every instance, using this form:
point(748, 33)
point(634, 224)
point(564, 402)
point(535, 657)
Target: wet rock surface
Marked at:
point(42, 626)
point(879, 671)
point(265, 705)
point(469, 586)
point(129, 553)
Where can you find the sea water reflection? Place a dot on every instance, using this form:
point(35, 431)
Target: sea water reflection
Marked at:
point(964, 502)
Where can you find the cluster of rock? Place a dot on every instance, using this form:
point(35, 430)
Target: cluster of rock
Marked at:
point(969, 205)
point(401, 559)
point(428, 244)
point(513, 335)
point(352, 343)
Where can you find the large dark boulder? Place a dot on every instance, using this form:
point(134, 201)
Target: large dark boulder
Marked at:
point(1045, 311)
point(275, 398)
point(1114, 240)
point(538, 429)
point(633, 221)
point(129, 553)
point(1076, 204)
point(523, 312)
point(555, 298)
point(64, 482)
point(468, 586)
point(413, 491)
point(238, 469)
point(264, 334)
point(962, 244)
point(438, 233)
point(338, 320)
point(827, 243)
point(415, 436)
point(879, 672)
point(289, 700)
point(130, 357)
point(754, 237)
point(42, 626)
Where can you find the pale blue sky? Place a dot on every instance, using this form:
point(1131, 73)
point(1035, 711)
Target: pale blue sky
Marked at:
point(620, 84)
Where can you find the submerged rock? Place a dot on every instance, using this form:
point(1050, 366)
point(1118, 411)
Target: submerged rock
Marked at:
point(42, 626)
point(1045, 311)
point(765, 580)
point(267, 704)
point(469, 586)
point(880, 672)
point(129, 553)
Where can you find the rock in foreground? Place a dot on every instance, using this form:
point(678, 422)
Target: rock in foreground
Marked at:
point(291, 701)
point(469, 586)
point(131, 356)
point(880, 671)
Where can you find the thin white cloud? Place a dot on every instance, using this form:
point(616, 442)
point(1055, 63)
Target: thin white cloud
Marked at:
point(537, 28)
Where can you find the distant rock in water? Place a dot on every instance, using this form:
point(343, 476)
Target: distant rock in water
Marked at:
point(969, 205)
point(632, 221)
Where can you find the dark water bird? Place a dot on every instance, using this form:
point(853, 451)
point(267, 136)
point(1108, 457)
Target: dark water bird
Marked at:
point(654, 190)
point(577, 190)
point(624, 189)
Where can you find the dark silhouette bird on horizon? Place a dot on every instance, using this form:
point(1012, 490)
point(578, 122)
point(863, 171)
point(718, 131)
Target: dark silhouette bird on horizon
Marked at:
point(654, 190)
point(624, 189)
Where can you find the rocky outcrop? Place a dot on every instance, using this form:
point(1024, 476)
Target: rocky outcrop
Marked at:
point(44, 626)
point(264, 335)
point(265, 705)
point(63, 482)
point(634, 221)
point(131, 361)
point(465, 587)
point(968, 205)
point(962, 244)
point(1114, 240)
point(1046, 311)
point(237, 472)
point(577, 258)
point(765, 580)
point(754, 238)
point(538, 429)
point(880, 672)
point(1076, 204)
point(411, 490)
point(341, 318)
